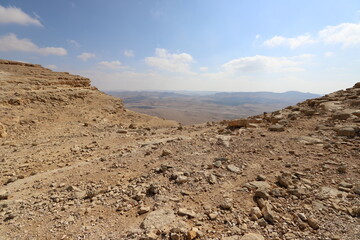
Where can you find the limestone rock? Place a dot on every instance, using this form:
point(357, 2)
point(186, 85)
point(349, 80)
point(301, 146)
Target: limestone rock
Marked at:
point(234, 237)
point(233, 168)
point(356, 189)
point(341, 115)
point(276, 128)
point(186, 212)
point(269, 215)
point(191, 235)
point(255, 213)
point(166, 152)
point(4, 195)
point(284, 180)
point(309, 140)
point(313, 223)
point(252, 236)
point(238, 123)
point(261, 185)
point(158, 219)
point(346, 132)
point(144, 210)
point(3, 132)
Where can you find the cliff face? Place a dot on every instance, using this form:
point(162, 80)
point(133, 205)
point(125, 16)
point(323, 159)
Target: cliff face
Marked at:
point(24, 84)
point(35, 76)
point(31, 97)
point(74, 164)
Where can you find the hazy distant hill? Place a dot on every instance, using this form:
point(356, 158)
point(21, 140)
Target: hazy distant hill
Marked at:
point(239, 98)
point(190, 107)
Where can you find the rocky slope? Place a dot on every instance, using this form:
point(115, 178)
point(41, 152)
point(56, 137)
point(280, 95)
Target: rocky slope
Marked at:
point(74, 164)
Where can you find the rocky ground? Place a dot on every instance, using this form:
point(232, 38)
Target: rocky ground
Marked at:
point(74, 164)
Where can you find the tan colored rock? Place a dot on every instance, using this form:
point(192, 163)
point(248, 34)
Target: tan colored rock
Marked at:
point(234, 237)
point(284, 180)
point(186, 212)
point(158, 219)
point(268, 214)
point(4, 195)
point(355, 103)
point(252, 236)
point(143, 210)
point(341, 115)
point(313, 223)
point(233, 168)
point(346, 132)
point(3, 132)
point(255, 213)
point(238, 123)
point(276, 128)
point(191, 235)
point(166, 152)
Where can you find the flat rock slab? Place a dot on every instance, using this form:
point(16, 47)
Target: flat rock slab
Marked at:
point(158, 219)
point(276, 128)
point(327, 192)
point(233, 168)
point(252, 236)
point(261, 185)
point(248, 236)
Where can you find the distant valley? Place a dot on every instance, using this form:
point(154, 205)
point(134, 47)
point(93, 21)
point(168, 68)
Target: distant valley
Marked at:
point(191, 107)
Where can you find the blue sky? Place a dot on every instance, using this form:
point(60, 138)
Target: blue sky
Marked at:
point(227, 45)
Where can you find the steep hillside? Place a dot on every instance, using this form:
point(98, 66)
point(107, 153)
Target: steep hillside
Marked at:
point(72, 166)
point(39, 107)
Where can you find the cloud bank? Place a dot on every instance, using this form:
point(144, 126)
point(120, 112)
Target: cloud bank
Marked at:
point(10, 42)
point(17, 16)
point(346, 34)
point(86, 56)
point(171, 62)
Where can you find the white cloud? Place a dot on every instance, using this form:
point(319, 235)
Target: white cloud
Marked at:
point(260, 63)
point(112, 65)
point(10, 42)
point(290, 42)
point(86, 56)
point(329, 54)
point(172, 62)
point(52, 51)
point(347, 34)
point(51, 66)
point(204, 69)
point(257, 36)
point(16, 15)
point(129, 53)
point(73, 43)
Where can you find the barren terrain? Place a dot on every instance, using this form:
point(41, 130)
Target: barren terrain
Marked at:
point(199, 107)
point(75, 164)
